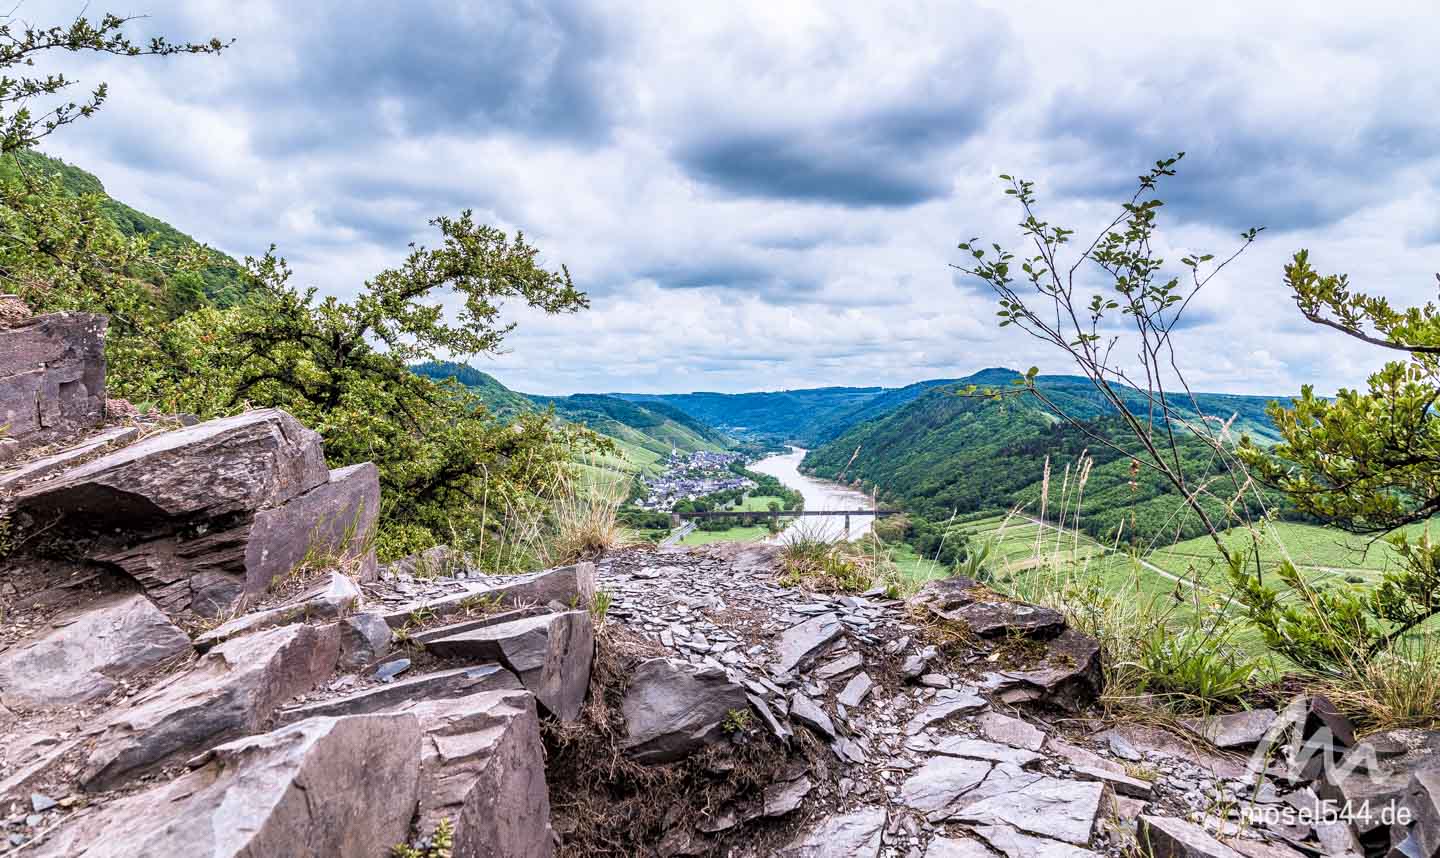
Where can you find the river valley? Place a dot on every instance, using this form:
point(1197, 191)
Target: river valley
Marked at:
point(819, 495)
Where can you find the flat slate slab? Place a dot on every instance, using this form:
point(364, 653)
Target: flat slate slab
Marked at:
point(457, 682)
point(572, 586)
point(86, 651)
point(799, 644)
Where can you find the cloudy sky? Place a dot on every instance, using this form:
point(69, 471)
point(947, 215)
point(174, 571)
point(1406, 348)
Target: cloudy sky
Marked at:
point(767, 195)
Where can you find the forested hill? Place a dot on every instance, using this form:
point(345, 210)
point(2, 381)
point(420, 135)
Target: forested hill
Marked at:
point(945, 454)
point(800, 416)
point(813, 417)
point(221, 279)
point(656, 427)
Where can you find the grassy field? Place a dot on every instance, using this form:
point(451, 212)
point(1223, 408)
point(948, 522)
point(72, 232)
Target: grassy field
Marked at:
point(755, 532)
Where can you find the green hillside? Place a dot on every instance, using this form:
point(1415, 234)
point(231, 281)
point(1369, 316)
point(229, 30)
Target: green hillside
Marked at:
point(645, 432)
point(222, 280)
point(945, 455)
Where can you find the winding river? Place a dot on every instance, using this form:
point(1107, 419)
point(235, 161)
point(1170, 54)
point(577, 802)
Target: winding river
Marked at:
point(819, 494)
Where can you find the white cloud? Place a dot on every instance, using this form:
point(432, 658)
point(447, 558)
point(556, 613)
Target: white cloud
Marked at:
point(763, 195)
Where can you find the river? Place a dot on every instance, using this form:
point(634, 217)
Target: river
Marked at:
point(819, 494)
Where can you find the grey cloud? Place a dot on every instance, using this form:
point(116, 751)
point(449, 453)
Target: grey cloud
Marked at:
point(1238, 171)
point(812, 167)
point(437, 67)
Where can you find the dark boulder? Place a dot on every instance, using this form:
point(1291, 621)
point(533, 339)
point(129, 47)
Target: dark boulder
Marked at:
point(672, 710)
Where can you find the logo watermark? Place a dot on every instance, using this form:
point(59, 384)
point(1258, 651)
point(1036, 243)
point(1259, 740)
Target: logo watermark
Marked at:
point(1302, 746)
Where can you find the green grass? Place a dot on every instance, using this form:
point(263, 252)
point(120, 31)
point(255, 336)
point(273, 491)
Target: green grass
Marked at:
point(753, 533)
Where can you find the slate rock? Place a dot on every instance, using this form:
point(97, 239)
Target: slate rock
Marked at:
point(483, 768)
point(1167, 837)
point(1049, 807)
point(479, 623)
point(773, 724)
point(984, 612)
point(255, 460)
point(940, 782)
point(571, 586)
point(799, 644)
point(87, 651)
point(856, 834)
point(551, 654)
point(328, 786)
point(1017, 844)
point(1234, 730)
point(946, 703)
point(782, 798)
point(951, 847)
point(840, 666)
point(443, 684)
point(391, 669)
point(52, 378)
point(209, 570)
point(24, 474)
point(1068, 676)
point(332, 524)
point(1010, 731)
point(807, 712)
point(672, 709)
point(976, 749)
point(334, 596)
point(231, 690)
point(364, 639)
point(855, 691)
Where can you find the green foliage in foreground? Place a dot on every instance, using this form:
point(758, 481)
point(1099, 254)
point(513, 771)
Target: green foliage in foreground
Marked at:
point(449, 468)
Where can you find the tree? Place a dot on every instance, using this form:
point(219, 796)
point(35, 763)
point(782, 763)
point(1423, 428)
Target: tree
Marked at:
point(1368, 462)
point(448, 467)
point(1048, 298)
point(21, 46)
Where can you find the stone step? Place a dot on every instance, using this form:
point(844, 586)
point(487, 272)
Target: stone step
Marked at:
point(456, 682)
point(230, 691)
point(334, 597)
point(87, 651)
point(483, 622)
point(572, 586)
point(483, 768)
point(551, 653)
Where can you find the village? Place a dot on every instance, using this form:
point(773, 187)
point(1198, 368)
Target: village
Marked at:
point(689, 476)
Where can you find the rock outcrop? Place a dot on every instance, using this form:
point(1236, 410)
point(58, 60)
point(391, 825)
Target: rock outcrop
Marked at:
point(229, 692)
point(551, 654)
point(52, 379)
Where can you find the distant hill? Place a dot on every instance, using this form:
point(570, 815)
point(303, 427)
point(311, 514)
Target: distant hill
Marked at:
point(814, 416)
point(943, 454)
point(222, 279)
point(803, 417)
point(655, 428)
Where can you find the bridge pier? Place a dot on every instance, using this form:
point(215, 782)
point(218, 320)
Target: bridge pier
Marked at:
point(847, 524)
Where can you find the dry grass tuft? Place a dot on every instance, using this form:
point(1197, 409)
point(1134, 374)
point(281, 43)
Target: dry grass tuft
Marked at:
point(1397, 688)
